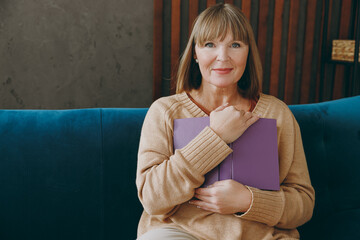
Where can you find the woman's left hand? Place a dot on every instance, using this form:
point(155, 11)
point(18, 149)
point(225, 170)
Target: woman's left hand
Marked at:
point(224, 197)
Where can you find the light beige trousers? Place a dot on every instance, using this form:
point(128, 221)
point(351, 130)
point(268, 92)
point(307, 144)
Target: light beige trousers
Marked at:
point(167, 233)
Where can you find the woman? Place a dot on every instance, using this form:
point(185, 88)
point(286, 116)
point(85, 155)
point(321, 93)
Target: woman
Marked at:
point(219, 76)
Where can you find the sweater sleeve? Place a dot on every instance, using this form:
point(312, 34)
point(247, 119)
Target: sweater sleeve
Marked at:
point(293, 205)
point(166, 179)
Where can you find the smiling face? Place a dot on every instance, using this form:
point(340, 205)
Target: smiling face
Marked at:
point(222, 62)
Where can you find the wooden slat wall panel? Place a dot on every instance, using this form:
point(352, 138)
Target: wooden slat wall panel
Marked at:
point(262, 27)
point(211, 2)
point(339, 86)
point(184, 26)
point(308, 51)
point(283, 49)
point(333, 32)
point(299, 52)
point(268, 49)
point(289, 33)
point(193, 13)
point(356, 71)
point(202, 5)
point(276, 48)
point(237, 3)
point(246, 7)
point(291, 50)
point(254, 16)
point(175, 40)
point(316, 54)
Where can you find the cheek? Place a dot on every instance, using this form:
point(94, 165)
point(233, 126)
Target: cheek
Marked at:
point(204, 66)
point(241, 62)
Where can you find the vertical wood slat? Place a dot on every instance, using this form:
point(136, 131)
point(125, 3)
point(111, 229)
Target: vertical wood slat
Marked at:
point(254, 16)
point(237, 3)
point(157, 49)
point(283, 49)
point(339, 78)
point(356, 65)
point(210, 3)
point(299, 51)
point(308, 51)
point(175, 41)
point(184, 24)
point(202, 5)
point(291, 51)
point(229, 1)
point(268, 50)
point(316, 56)
point(333, 31)
point(326, 69)
point(276, 48)
point(193, 13)
point(246, 8)
point(262, 30)
point(321, 56)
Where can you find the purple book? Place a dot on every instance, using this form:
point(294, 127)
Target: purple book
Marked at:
point(254, 160)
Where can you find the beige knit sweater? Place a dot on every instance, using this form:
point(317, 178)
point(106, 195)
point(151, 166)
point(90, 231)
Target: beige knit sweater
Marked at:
point(166, 180)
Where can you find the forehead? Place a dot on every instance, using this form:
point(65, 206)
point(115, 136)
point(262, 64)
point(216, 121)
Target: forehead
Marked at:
point(228, 37)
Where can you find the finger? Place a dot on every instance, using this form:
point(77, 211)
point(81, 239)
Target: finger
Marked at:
point(222, 107)
point(204, 191)
point(203, 198)
point(203, 205)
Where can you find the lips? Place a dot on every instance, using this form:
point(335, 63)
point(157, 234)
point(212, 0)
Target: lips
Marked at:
point(222, 70)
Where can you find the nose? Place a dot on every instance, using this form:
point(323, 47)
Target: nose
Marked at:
point(222, 54)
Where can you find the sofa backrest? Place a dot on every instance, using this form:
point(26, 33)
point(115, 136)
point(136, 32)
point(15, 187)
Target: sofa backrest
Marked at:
point(70, 174)
point(331, 139)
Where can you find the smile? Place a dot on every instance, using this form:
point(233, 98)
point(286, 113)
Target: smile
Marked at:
point(222, 70)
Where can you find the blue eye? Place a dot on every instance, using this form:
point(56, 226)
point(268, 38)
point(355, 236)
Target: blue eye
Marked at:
point(235, 45)
point(209, 44)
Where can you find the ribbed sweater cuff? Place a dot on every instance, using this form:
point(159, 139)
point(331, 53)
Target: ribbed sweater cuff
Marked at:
point(266, 207)
point(205, 151)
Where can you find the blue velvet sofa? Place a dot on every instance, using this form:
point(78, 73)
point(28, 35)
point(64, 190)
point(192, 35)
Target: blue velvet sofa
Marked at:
point(70, 174)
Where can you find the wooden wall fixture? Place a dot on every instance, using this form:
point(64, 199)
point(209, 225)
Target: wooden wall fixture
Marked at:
point(294, 38)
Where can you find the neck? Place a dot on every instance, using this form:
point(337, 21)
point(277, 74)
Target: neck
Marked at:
point(210, 97)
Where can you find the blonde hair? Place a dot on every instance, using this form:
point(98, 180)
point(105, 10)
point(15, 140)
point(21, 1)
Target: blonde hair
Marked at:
point(215, 23)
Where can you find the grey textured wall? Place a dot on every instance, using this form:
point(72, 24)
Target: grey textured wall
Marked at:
point(58, 54)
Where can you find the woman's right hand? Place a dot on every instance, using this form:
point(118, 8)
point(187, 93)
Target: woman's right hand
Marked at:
point(229, 123)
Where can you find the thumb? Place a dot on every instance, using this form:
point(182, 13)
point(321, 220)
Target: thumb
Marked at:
point(222, 107)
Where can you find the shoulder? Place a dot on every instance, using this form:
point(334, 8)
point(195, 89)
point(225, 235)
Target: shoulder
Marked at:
point(166, 105)
point(165, 108)
point(273, 107)
point(273, 103)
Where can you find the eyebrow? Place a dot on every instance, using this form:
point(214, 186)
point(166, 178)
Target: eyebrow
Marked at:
point(231, 41)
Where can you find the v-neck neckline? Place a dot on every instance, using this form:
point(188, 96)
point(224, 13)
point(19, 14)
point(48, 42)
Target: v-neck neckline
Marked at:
point(202, 113)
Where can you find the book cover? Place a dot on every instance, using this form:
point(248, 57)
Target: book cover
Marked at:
point(254, 160)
